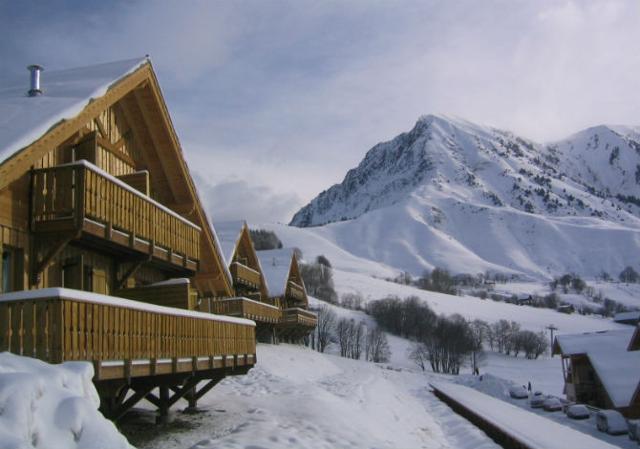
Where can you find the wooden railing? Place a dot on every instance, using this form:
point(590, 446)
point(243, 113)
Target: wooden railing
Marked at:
point(300, 317)
point(61, 324)
point(295, 291)
point(247, 308)
point(245, 275)
point(63, 196)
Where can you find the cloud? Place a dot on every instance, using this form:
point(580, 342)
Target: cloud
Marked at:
point(237, 199)
point(291, 94)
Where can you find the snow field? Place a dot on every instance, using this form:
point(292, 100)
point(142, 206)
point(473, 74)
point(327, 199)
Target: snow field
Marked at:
point(49, 407)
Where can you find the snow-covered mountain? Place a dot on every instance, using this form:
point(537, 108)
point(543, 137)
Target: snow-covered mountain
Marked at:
point(469, 198)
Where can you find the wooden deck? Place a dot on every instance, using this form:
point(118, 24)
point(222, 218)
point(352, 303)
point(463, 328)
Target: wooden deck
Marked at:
point(295, 291)
point(132, 345)
point(81, 197)
point(260, 312)
point(246, 276)
point(296, 324)
point(63, 325)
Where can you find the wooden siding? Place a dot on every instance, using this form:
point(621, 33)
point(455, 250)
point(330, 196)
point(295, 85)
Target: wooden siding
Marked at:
point(180, 296)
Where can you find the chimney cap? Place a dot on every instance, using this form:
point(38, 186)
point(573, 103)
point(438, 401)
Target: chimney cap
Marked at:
point(35, 70)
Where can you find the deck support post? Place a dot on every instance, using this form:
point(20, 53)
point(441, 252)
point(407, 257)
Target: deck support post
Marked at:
point(163, 405)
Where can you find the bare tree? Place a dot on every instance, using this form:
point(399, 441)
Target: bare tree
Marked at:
point(419, 354)
point(377, 346)
point(324, 329)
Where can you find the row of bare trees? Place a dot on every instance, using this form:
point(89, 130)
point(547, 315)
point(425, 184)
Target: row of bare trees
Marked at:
point(354, 338)
point(507, 338)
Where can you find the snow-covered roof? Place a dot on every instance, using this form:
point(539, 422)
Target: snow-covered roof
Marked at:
point(627, 316)
point(24, 119)
point(228, 233)
point(617, 368)
point(275, 264)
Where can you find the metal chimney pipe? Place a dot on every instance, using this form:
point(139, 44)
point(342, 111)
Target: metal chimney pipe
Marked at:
point(35, 70)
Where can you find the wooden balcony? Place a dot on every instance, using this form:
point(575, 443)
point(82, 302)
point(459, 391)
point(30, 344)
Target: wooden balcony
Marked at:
point(124, 339)
point(244, 275)
point(295, 291)
point(172, 293)
point(260, 312)
point(81, 198)
point(299, 317)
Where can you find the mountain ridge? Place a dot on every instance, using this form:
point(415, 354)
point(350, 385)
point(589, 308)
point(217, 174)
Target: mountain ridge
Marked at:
point(446, 172)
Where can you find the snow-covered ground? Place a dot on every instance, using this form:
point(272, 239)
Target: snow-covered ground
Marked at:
point(49, 407)
point(298, 398)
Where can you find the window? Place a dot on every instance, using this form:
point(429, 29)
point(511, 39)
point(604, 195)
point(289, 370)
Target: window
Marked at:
point(11, 269)
point(87, 281)
point(7, 271)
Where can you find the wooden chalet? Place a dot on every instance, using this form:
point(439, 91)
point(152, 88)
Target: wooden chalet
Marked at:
point(286, 287)
point(602, 369)
point(252, 299)
point(106, 248)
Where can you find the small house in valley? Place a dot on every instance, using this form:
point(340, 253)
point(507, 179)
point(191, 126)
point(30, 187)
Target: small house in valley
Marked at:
point(107, 252)
point(251, 294)
point(602, 369)
point(631, 318)
point(286, 288)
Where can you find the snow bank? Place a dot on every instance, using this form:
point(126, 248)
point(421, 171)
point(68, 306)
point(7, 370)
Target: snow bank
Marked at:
point(49, 407)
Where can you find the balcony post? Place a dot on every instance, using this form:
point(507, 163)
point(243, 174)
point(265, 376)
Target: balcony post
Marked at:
point(79, 190)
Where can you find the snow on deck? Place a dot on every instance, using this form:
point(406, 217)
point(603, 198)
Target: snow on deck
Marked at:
point(67, 293)
point(531, 430)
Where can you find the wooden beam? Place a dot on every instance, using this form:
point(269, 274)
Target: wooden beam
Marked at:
point(208, 386)
point(136, 265)
point(103, 132)
point(54, 250)
point(138, 395)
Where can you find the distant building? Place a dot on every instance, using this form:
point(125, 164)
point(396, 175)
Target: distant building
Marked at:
point(602, 369)
point(287, 290)
point(524, 299)
point(631, 318)
point(566, 308)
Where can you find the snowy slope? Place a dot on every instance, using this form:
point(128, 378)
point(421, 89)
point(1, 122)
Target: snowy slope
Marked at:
point(473, 199)
point(51, 406)
point(298, 398)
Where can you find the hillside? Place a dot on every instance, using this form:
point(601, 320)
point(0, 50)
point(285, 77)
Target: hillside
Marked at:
point(472, 199)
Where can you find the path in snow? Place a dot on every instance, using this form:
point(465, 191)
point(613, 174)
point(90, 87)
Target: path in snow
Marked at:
point(297, 398)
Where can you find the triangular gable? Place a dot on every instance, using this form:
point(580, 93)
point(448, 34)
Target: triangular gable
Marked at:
point(235, 241)
point(137, 90)
point(279, 267)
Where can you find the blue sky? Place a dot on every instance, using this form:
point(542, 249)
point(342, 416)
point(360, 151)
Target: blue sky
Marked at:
point(275, 100)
